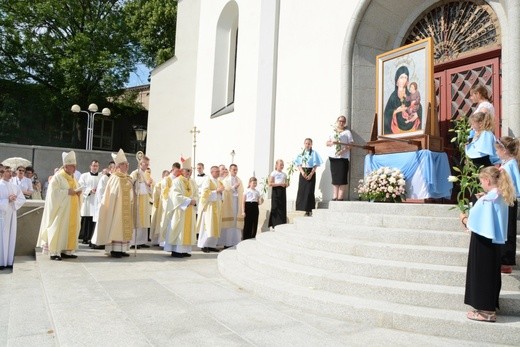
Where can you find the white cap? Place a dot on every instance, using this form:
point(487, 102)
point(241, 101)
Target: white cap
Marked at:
point(119, 157)
point(68, 158)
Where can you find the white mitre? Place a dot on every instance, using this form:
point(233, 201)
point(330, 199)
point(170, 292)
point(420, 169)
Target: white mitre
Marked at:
point(68, 158)
point(119, 157)
point(186, 164)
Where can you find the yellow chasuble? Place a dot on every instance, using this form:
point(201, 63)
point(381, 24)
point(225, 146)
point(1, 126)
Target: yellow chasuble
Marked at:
point(144, 209)
point(181, 228)
point(211, 208)
point(60, 223)
point(115, 222)
point(75, 204)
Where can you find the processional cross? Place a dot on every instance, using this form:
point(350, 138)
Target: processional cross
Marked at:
point(194, 131)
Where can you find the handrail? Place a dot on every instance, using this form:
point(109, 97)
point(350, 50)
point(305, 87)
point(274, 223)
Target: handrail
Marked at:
point(30, 211)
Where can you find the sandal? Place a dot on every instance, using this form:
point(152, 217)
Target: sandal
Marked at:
point(482, 316)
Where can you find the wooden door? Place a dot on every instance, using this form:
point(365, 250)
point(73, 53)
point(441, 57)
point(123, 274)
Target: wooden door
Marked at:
point(452, 90)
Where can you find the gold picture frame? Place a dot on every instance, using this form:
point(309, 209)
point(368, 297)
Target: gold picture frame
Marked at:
point(405, 90)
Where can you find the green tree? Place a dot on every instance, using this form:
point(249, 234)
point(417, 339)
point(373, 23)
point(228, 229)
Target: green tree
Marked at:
point(153, 24)
point(78, 51)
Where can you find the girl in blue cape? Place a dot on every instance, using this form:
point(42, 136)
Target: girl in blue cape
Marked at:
point(307, 162)
point(487, 222)
point(481, 149)
point(507, 150)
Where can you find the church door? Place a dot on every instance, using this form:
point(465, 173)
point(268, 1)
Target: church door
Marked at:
point(453, 82)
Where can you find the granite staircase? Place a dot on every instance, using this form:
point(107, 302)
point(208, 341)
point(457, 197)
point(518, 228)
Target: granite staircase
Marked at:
point(398, 266)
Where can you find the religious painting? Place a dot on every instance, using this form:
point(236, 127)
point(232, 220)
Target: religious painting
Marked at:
point(405, 88)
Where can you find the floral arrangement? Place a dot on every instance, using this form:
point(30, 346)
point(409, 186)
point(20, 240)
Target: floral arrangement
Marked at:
point(383, 184)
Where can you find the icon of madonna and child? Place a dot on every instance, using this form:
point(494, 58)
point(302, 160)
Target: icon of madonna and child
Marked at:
point(403, 110)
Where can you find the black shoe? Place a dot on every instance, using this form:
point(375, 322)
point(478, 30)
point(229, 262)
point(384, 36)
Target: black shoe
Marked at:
point(68, 256)
point(93, 246)
point(186, 255)
point(143, 246)
point(2, 267)
point(205, 249)
point(133, 247)
point(8, 266)
point(177, 255)
point(55, 257)
point(116, 254)
point(85, 242)
point(211, 249)
point(124, 254)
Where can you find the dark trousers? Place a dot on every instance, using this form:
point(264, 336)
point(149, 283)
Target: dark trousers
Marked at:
point(251, 220)
point(87, 228)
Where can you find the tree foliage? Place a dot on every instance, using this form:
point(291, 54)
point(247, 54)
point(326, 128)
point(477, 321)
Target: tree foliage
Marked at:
point(77, 49)
point(153, 24)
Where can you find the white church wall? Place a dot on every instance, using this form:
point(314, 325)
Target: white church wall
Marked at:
point(172, 95)
point(308, 100)
point(233, 131)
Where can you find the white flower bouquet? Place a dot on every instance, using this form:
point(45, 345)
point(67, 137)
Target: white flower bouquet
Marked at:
point(383, 184)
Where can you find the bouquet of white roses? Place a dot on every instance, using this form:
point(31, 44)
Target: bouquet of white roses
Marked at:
point(383, 184)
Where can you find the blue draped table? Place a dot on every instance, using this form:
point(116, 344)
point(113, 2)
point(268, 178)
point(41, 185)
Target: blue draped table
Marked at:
point(426, 172)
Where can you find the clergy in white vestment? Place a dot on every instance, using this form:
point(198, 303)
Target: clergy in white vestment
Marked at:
point(11, 199)
point(100, 192)
point(60, 224)
point(142, 191)
point(167, 183)
point(180, 230)
point(102, 185)
point(210, 213)
point(232, 208)
point(88, 181)
point(115, 220)
point(200, 177)
point(157, 211)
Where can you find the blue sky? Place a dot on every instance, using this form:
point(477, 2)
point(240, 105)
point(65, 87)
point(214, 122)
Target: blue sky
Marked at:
point(139, 76)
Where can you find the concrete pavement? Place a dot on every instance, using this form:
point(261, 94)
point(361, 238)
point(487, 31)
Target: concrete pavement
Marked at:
point(156, 300)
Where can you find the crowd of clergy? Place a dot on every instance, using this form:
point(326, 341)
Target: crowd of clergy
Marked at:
point(117, 211)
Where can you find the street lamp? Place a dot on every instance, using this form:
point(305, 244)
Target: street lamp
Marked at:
point(92, 111)
point(140, 135)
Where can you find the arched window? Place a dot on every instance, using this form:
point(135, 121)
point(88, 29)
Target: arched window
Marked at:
point(457, 28)
point(225, 61)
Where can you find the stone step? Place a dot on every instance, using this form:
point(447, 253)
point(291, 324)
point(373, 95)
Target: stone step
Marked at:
point(416, 319)
point(379, 234)
point(424, 210)
point(454, 256)
point(416, 294)
point(337, 240)
point(380, 269)
point(450, 223)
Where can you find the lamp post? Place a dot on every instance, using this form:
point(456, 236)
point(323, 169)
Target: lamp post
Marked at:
point(92, 111)
point(232, 156)
point(140, 135)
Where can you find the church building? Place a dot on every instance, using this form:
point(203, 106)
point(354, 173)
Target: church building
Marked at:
point(251, 79)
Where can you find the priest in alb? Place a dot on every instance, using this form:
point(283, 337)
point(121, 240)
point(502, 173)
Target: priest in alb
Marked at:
point(60, 224)
point(180, 231)
point(210, 213)
point(11, 199)
point(232, 209)
point(115, 220)
point(142, 191)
